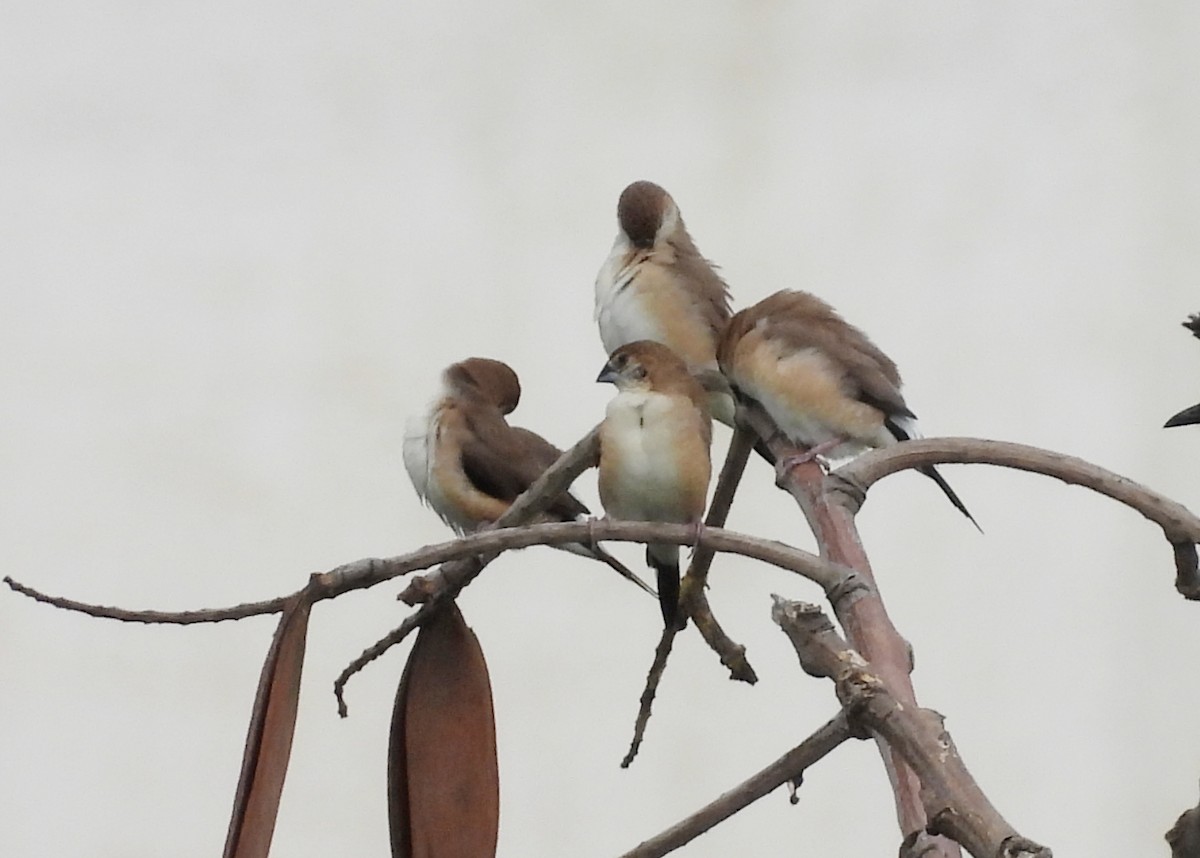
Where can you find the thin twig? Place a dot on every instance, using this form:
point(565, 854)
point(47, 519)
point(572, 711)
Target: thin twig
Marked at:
point(718, 511)
point(368, 655)
point(433, 590)
point(444, 585)
point(482, 546)
point(447, 582)
point(692, 590)
point(790, 767)
point(183, 618)
point(661, 652)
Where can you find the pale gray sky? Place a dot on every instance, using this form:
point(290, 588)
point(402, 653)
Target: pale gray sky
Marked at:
point(241, 240)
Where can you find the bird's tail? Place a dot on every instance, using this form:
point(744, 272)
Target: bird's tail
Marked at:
point(904, 428)
point(665, 561)
point(597, 553)
point(931, 472)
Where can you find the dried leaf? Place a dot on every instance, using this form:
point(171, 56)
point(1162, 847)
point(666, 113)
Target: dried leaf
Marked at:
point(443, 779)
point(269, 740)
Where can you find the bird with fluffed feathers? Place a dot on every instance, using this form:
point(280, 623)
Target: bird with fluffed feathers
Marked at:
point(468, 464)
point(655, 285)
point(822, 381)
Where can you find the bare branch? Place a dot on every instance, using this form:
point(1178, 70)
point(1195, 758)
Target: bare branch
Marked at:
point(554, 480)
point(790, 767)
point(954, 803)
point(718, 511)
point(861, 613)
point(445, 584)
point(1181, 528)
point(211, 615)
point(368, 655)
point(661, 652)
point(367, 573)
point(463, 559)
point(434, 589)
point(692, 595)
point(829, 576)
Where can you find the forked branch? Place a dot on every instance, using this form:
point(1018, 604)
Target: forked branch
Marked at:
point(954, 804)
point(865, 618)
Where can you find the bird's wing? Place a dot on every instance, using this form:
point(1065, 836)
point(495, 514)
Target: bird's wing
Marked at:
point(802, 321)
point(708, 290)
point(503, 461)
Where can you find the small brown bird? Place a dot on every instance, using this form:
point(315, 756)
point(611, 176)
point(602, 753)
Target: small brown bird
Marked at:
point(1188, 415)
point(654, 451)
point(826, 386)
point(655, 285)
point(469, 465)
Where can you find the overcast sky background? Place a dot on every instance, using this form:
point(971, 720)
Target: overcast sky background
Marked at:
point(242, 240)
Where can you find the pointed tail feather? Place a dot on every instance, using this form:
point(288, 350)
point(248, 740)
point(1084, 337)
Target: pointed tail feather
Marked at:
point(598, 553)
point(622, 569)
point(932, 473)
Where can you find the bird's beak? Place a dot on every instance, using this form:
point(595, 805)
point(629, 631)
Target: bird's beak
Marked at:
point(607, 374)
point(1185, 417)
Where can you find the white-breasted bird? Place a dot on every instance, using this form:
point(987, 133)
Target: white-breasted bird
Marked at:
point(654, 451)
point(656, 286)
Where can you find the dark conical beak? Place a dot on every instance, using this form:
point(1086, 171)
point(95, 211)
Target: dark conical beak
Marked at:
point(1185, 417)
point(608, 374)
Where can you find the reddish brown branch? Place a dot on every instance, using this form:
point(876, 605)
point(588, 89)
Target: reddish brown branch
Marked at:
point(862, 613)
point(790, 767)
point(952, 800)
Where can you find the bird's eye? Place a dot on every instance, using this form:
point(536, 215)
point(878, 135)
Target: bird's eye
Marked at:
point(637, 371)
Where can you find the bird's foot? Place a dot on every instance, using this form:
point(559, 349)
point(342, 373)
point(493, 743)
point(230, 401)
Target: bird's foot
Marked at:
point(592, 521)
point(784, 466)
